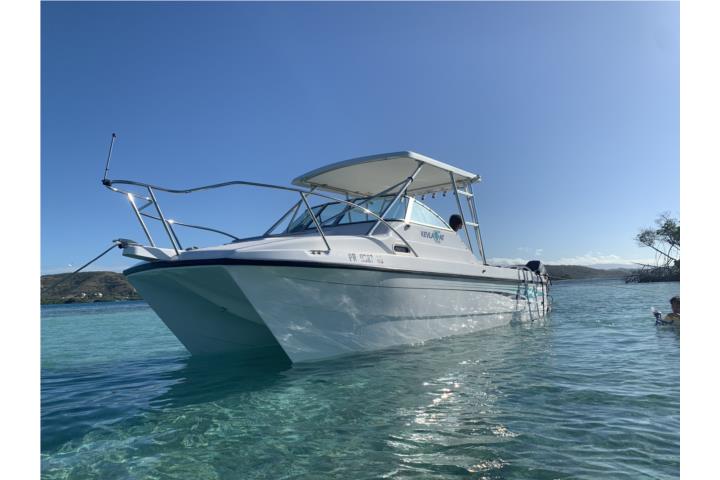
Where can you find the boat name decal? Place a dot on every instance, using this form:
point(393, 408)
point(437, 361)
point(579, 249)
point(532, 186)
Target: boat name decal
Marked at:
point(365, 258)
point(435, 235)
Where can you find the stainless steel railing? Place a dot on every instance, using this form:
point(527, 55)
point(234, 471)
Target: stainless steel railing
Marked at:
point(167, 224)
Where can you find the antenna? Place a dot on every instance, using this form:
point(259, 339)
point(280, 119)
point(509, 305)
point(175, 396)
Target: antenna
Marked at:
point(105, 180)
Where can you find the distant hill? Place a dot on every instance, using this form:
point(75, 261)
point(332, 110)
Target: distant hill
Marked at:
point(578, 272)
point(88, 287)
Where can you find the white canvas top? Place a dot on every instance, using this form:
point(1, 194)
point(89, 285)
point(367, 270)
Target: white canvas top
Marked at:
point(367, 176)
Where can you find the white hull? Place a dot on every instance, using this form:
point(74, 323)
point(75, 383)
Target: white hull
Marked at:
point(315, 312)
point(369, 267)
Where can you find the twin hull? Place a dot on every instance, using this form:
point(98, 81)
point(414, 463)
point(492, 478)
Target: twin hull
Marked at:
point(318, 312)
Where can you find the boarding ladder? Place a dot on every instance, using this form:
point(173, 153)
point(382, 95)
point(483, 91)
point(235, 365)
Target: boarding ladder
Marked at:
point(466, 191)
point(526, 279)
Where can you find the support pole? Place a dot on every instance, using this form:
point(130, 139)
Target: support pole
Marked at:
point(473, 209)
point(402, 191)
point(166, 225)
point(131, 199)
point(462, 215)
point(315, 220)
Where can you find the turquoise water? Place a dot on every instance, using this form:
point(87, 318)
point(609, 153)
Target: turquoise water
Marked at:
point(592, 392)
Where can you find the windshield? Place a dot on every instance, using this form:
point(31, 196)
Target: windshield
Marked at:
point(336, 213)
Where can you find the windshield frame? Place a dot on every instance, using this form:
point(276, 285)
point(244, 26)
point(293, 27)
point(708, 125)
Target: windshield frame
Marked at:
point(304, 222)
point(334, 221)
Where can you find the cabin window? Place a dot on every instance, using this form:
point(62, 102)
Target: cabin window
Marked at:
point(424, 216)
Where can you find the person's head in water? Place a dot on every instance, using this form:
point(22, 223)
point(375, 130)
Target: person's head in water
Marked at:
point(675, 304)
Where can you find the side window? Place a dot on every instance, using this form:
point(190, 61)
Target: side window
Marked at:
point(377, 205)
point(397, 212)
point(422, 214)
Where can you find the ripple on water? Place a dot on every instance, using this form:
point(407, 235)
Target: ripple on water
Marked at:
point(591, 393)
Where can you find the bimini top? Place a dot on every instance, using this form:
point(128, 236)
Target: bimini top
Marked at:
point(367, 176)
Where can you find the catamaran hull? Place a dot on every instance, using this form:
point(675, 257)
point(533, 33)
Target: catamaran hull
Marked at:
point(309, 313)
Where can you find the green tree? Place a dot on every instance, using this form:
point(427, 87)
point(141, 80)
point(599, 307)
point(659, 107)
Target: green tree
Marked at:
point(664, 239)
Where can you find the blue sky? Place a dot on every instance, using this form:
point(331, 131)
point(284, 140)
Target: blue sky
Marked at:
point(569, 111)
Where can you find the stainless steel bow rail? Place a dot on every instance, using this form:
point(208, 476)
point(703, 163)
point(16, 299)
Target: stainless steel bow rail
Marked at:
point(168, 224)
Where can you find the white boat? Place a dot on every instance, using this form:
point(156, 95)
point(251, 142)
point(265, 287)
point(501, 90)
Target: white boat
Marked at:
point(369, 267)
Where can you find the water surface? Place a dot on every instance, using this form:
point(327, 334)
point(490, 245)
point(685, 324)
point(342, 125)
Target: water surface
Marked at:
point(592, 392)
